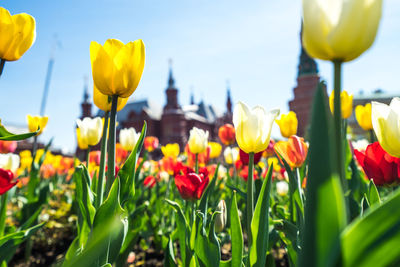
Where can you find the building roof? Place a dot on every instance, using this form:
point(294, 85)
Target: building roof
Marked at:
point(375, 95)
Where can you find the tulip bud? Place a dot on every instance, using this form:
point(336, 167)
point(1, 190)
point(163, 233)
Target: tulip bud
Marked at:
point(128, 138)
point(231, 155)
point(18, 33)
point(227, 134)
point(253, 127)
point(90, 130)
point(8, 146)
point(215, 150)
point(34, 122)
point(346, 103)
point(9, 162)
point(171, 150)
point(363, 116)
point(151, 143)
point(294, 151)
point(385, 122)
point(288, 124)
point(340, 30)
point(6, 180)
point(220, 219)
point(103, 102)
point(117, 68)
point(282, 188)
point(198, 140)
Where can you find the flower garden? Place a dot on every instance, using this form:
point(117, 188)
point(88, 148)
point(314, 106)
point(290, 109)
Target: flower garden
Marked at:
point(243, 200)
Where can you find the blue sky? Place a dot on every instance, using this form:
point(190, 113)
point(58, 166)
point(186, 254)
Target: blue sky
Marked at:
point(253, 44)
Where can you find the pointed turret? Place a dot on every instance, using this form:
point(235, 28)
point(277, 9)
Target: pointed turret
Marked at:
point(86, 104)
point(228, 98)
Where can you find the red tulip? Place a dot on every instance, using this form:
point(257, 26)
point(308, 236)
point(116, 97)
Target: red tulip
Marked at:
point(149, 181)
point(8, 146)
point(190, 184)
point(244, 157)
point(227, 134)
point(378, 165)
point(6, 183)
point(94, 157)
point(203, 157)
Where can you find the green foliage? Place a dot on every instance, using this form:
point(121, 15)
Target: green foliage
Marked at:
point(260, 224)
point(325, 211)
point(7, 136)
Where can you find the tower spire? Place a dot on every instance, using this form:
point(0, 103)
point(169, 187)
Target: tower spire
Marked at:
point(228, 98)
point(86, 103)
point(85, 90)
point(191, 96)
point(307, 65)
point(171, 81)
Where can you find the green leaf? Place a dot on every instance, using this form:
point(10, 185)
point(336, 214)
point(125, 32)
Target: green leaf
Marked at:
point(84, 195)
point(6, 135)
point(260, 224)
point(373, 240)
point(204, 199)
point(183, 232)
point(107, 236)
point(207, 248)
point(373, 194)
point(9, 243)
point(236, 234)
point(128, 170)
point(169, 260)
point(325, 212)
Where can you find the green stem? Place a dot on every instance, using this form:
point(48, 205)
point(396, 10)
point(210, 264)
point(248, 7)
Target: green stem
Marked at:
point(250, 197)
point(3, 211)
point(87, 156)
point(371, 136)
point(111, 145)
point(2, 63)
point(197, 163)
point(337, 116)
point(100, 183)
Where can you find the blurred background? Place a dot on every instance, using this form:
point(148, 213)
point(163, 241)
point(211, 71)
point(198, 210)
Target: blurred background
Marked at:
point(251, 49)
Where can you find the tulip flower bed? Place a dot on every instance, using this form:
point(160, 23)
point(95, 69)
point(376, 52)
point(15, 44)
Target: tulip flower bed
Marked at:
point(241, 200)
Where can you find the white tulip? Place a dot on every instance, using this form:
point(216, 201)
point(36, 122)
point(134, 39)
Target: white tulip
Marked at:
point(128, 138)
point(231, 155)
point(386, 124)
point(90, 130)
point(253, 127)
point(198, 140)
point(9, 162)
point(282, 188)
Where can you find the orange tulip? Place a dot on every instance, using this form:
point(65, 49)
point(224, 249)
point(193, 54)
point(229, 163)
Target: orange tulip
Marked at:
point(227, 134)
point(294, 151)
point(150, 143)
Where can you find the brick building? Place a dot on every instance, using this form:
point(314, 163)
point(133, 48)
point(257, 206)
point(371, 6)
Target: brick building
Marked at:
point(171, 122)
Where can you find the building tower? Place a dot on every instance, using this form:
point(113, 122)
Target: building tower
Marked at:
point(307, 82)
point(173, 123)
point(86, 105)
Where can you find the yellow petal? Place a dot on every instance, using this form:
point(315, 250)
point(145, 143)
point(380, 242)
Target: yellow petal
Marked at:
point(103, 102)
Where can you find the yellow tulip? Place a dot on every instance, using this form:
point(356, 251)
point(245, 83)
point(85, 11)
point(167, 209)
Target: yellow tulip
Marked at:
point(363, 116)
point(253, 127)
point(197, 140)
point(346, 103)
point(117, 68)
point(103, 102)
point(385, 122)
point(340, 30)
point(216, 149)
point(34, 122)
point(171, 150)
point(82, 144)
point(17, 33)
point(288, 124)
